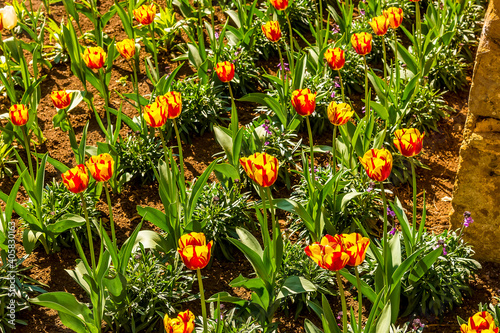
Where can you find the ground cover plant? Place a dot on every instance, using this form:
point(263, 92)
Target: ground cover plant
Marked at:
point(308, 117)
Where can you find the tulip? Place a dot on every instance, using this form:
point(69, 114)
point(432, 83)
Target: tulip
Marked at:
point(194, 250)
point(328, 253)
point(339, 114)
point(126, 48)
point(8, 18)
point(280, 4)
point(61, 99)
point(335, 58)
point(481, 322)
point(262, 168)
point(94, 57)
point(304, 101)
point(18, 114)
point(171, 103)
point(155, 114)
point(377, 163)
point(355, 246)
point(101, 167)
point(225, 71)
point(145, 14)
point(395, 16)
point(380, 24)
point(272, 30)
point(362, 43)
point(408, 141)
point(184, 323)
point(76, 179)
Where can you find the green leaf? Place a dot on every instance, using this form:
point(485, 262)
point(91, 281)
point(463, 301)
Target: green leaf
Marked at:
point(384, 321)
point(295, 285)
point(66, 222)
point(422, 266)
point(310, 327)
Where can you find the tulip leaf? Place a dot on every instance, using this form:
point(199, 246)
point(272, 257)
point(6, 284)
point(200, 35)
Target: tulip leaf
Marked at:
point(309, 327)
point(365, 288)
point(422, 266)
point(66, 222)
point(384, 321)
point(295, 285)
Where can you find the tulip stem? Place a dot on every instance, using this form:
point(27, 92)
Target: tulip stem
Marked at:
point(385, 240)
point(367, 112)
point(344, 304)
point(179, 144)
point(203, 305)
point(341, 86)
point(360, 300)
point(163, 142)
point(334, 149)
point(89, 231)
point(111, 220)
point(264, 225)
point(282, 63)
point(414, 179)
point(419, 29)
point(28, 152)
point(275, 229)
point(396, 64)
point(385, 59)
point(136, 88)
point(292, 60)
point(311, 144)
point(234, 113)
point(106, 98)
point(155, 51)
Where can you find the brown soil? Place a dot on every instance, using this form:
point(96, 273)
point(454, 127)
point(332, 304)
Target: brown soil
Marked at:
point(441, 155)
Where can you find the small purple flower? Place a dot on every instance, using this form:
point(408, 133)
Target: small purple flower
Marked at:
point(444, 250)
point(286, 66)
point(333, 94)
point(441, 242)
point(363, 109)
point(335, 29)
point(417, 324)
point(370, 188)
point(390, 212)
point(362, 12)
point(339, 315)
point(336, 84)
point(266, 143)
point(467, 219)
point(217, 35)
point(392, 232)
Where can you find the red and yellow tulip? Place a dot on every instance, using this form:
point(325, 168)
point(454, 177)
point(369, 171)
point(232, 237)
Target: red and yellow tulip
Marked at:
point(380, 24)
point(328, 253)
point(481, 322)
point(61, 99)
point(272, 30)
point(280, 4)
point(145, 14)
point(362, 43)
point(184, 323)
point(408, 141)
point(76, 179)
point(339, 114)
point(94, 57)
point(335, 58)
point(194, 250)
point(155, 114)
point(262, 168)
point(395, 16)
point(225, 71)
point(304, 101)
point(18, 114)
point(101, 167)
point(377, 163)
point(126, 48)
point(171, 103)
point(355, 246)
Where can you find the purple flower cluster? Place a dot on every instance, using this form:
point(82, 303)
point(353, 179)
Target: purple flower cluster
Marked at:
point(336, 28)
point(390, 212)
point(443, 244)
point(267, 128)
point(393, 231)
point(370, 188)
point(467, 219)
point(417, 324)
point(286, 66)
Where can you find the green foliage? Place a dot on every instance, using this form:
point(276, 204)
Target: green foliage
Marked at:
point(219, 211)
point(445, 283)
point(155, 284)
point(138, 154)
point(15, 290)
point(247, 76)
point(203, 106)
point(6, 160)
point(426, 109)
point(228, 321)
point(450, 70)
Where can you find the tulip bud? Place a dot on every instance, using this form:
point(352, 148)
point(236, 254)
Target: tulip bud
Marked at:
point(126, 48)
point(377, 164)
point(408, 141)
point(61, 99)
point(272, 30)
point(394, 16)
point(194, 250)
point(335, 58)
point(262, 168)
point(145, 14)
point(380, 24)
point(339, 114)
point(8, 18)
point(101, 167)
point(304, 101)
point(155, 114)
point(171, 103)
point(184, 323)
point(362, 43)
point(18, 114)
point(76, 179)
point(280, 4)
point(94, 57)
point(225, 71)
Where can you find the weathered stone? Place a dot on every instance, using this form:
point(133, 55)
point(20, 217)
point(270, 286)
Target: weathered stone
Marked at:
point(485, 89)
point(477, 189)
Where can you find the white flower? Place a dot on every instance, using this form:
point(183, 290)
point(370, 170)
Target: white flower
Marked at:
point(9, 17)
